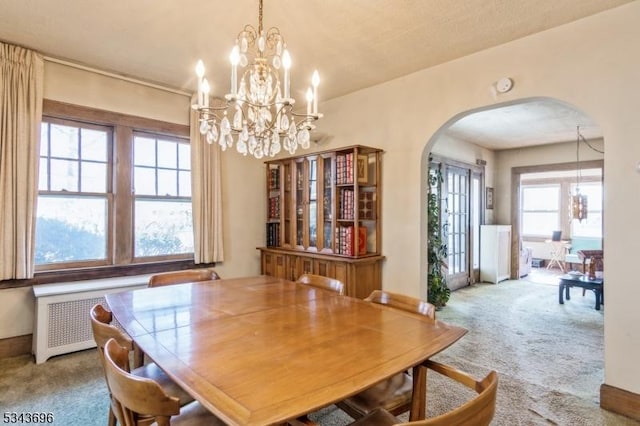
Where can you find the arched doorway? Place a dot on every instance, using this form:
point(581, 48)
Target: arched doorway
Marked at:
point(534, 132)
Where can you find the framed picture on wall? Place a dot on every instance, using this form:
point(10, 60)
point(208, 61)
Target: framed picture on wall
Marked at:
point(489, 199)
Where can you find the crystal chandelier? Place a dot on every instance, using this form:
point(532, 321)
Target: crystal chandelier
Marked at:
point(258, 112)
point(578, 200)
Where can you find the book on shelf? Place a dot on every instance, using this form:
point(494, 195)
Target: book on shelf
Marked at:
point(346, 211)
point(344, 169)
point(274, 207)
point(350, 244)
point(274, 178)
point(273, 234)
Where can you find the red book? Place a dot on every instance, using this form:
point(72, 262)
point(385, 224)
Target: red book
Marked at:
point(362, 240)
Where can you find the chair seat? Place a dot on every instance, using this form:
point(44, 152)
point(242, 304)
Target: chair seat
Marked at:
point(377, 417)
point(153, 372)
point(393, 394)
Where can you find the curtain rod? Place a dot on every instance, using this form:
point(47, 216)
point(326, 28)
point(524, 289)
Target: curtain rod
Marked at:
point(114, 75)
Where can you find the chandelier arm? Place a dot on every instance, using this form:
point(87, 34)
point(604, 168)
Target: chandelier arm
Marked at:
point(250, 33)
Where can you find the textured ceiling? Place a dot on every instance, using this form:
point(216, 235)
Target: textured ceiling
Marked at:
point(536, 122)
point(353, 43)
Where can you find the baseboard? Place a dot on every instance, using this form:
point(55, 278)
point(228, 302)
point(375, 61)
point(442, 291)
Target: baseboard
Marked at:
point(620, 401)
point(14, 346)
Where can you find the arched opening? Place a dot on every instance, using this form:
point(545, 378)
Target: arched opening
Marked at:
point(525, 328)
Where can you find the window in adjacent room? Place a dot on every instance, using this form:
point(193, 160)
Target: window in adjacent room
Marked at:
point(540, 209)
point(592, 225)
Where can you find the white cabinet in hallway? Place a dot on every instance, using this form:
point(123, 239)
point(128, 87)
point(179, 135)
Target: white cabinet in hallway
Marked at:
point(495, 258)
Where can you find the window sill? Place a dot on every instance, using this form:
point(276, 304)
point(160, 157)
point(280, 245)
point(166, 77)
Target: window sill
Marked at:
point(102, 272)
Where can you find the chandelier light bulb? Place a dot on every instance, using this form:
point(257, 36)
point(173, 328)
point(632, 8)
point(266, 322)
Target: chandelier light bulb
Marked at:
point(234, 57)
point(315, 79)
point(286, 59)
point(200, 69)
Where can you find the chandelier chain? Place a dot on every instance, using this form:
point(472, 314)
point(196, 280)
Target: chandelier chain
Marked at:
point(260, 18)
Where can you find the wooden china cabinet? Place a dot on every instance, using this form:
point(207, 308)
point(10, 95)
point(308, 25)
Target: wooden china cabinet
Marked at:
point(323, 217)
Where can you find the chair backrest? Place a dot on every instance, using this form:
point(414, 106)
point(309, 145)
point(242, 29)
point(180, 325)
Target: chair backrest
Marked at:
point(324, 283)
point(133, 396)
point(403, 302)
point(180, 277)
point(103, 330)
point(478, 411)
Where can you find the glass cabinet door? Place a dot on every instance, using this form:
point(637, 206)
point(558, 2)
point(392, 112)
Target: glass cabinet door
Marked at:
point(286, 212)
point(313, 201)
point(327, 203)
point(300, 203)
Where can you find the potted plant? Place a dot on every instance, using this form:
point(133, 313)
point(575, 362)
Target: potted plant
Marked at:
point(437, 291)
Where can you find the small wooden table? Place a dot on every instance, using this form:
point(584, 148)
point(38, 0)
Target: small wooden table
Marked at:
point(263, 350)
point(596, 285)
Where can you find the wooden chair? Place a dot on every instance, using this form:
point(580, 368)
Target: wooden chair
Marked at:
point(478, 411)
point(321, 282)
point(180, 277)
point(103, 330)
point(393, 394)
point(136, 400)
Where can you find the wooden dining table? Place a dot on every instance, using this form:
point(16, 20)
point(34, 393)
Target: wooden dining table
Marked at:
point(262, 350)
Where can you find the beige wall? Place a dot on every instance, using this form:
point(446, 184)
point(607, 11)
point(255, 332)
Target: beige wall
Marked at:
point(591, 64)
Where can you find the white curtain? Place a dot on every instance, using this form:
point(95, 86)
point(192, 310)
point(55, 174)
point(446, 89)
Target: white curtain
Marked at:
point(21, 82)
point(206, 196)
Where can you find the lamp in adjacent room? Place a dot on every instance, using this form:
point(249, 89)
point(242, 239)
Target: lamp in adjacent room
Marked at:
point(578, 200)
point(258, 114)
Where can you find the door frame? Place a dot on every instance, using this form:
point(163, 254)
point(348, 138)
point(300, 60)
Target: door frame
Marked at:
point(473, 169)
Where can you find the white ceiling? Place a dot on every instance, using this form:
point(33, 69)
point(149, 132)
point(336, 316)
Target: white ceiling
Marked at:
point(353, 43)
point(535, 122)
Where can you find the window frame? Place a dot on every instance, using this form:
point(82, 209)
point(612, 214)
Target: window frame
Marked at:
point(108, 194)
point(566, 184)
point(120, 179)
point(135, 197)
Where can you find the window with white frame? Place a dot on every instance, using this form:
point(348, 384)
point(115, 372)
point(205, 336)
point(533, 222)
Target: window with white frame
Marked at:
point(592, 225)
point(540, 209)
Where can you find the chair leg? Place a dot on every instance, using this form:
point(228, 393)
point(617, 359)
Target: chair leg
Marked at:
point(112, 417)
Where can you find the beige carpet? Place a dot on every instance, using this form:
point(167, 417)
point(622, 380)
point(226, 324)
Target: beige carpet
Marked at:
point(549, 358)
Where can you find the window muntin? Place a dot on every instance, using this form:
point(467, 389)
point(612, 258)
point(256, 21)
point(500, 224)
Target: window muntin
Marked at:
point(163, 224)
point(73, 210)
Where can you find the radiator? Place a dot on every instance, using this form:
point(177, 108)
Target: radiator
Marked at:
point(62, 322)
